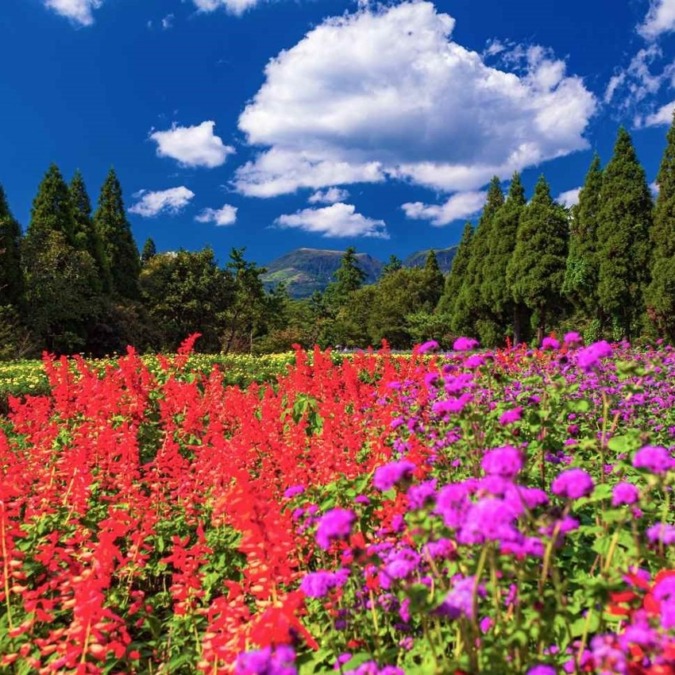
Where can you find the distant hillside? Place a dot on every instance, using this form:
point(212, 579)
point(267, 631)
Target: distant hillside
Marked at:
point(445, 256)
point(306, 270)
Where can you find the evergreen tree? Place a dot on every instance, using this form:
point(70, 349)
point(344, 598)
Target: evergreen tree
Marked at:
point(457, 275)
point(435, 281)
point(149, 251)
point(660, 294)
point(11, 277)
point(471, 316)
point(392, 265)
point(348, 278)
point(496, 293)
point(624, 222)
point(536, 270)
point(86, 235)
point(52, 208)
point(581, 273)
point(119, 246)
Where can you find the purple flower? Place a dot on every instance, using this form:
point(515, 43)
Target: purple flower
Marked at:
point(590, 356)
point(421, 494)
point(399, 565)
point(293, 491)
point(573, 484)
point(452, 503)
point(266, 661)
point(572, 338)
point(625, 493)
point(334, 524)
point(505, 462)
point(451, 405)
point(464, 344)
point(475, 361)
point(511, 416)
point(664, 592)
point(459, 601)
point(549, 343)
point(429, 346)
point(488, 519)
point(318, 584)
point(661, 533)
point(390, 474)
point(542, 669)
point(653, 458)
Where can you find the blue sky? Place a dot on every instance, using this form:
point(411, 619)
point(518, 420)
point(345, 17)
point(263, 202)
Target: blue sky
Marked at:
point(324, 123)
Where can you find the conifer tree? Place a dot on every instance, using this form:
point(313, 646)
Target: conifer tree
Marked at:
point(392, 265)
point(624, 223)
point(495, 291)
point(581, 273)
point(149, 251)
point(349, 277)
point(536, 270)
point(660, 294)
point(457, 275)
point(11, 277)
point(471, 316)
point(434, 279)
point(119, 246)
point(86, 235)
point(52, 208)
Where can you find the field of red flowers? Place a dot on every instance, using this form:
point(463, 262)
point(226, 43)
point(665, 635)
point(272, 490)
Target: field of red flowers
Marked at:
point(468, 512)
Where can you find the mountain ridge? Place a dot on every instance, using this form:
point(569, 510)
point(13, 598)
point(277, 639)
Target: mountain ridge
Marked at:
point(306, 270)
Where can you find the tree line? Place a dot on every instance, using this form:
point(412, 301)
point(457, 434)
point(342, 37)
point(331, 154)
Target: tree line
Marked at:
point(75, 281)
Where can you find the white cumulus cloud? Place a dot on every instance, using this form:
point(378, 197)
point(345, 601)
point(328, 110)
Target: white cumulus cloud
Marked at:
point(569, 197)
point(329, 196)
point(663, 116)
point(172, 201)
point(78, 11)
point(384, 92)
point(192, 146)
point(224, 216)
point(660, 19)
point(336, 220)
point(458, 206)
point(236, 7)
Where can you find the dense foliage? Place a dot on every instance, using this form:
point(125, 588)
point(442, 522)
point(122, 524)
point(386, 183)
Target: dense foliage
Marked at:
point(471, 512)
point(76, 283)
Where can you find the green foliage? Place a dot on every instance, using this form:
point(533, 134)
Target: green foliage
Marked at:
point(149, 251)
point(435, 280)
point(348, 278)
point(469, 307)
point(581, 273)
point(457, 274)
point(496, 293)
point(52, 208)
point(393, 265)
point(120, 249)
point(624, 222)
point(61, 291)
point(11, 277)
point(537, 267)
point(186, 293)
point(660, 294)
point(86, 236)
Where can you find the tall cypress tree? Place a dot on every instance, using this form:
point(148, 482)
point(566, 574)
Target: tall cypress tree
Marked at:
point(581, 273)
point(119, 246)
point(624, 223)
point(660, 294)
point(52, 208)
point(536, 270)
point(11, 277)
point(61, 291)
point(457, 275)
point(434, 280)
point(86, 235)
point(471, 315)
point(495, 291)
point(348, 278)
point(149, 251)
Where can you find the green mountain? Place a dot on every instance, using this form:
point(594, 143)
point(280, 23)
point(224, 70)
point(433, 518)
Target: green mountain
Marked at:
point(306, 270)
point(445, 256)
